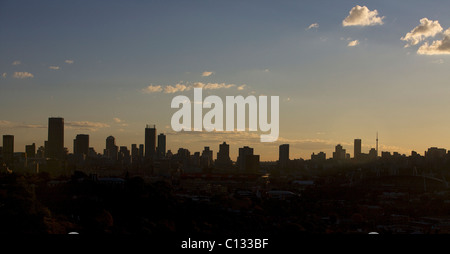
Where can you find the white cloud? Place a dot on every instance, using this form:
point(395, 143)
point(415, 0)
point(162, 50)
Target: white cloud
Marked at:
point(176, 88)
point(362, 16)
point(313, 25)
point(241, 87)
point(353, 43)
point(186, 87)
point(54, 67)
point(427, 28)
point(207, 73)
point(213, 86)
point(152, 89)
point(16, 62)
point(438, 47)
point(117, 120)
point(22, 75)
point(69, 61)
point(86, 125)
point(4, 74)
point(438, 61)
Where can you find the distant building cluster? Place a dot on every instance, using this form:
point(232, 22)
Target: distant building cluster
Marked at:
point(152, 157)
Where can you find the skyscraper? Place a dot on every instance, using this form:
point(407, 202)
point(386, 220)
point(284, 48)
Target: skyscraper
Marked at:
point(223, 156)
point(81, 144)
point(55, 148)
point(283, 155)
point(339, 153)
point(111, 148)
point(161, 145)
point(243, 152)
point(31, 150)
point(207, 157)
point(357, 149)
point(8, 150)
point(150, 142)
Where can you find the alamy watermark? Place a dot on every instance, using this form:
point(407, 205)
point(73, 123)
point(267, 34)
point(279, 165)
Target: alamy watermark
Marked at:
point(213, 119)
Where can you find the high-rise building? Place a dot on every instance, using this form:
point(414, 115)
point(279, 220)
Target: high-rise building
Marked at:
point(357, 149)
point(223, 156)
point(339, 153)
point(283, 158)
point(243, 152)
point(141, 151)
point(207, 157)
point(55, 148)
point(8, 150)
point(161, 150)
point(320, 157)
point(134, 154)
point(111, 150)
point(31, 150)
point(81, 145)
point(150, 142)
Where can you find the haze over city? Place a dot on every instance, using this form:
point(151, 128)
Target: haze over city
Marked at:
point(343, 70)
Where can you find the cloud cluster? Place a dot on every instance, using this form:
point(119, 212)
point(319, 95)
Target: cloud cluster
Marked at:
point(353, 43)
point(16, 62)
point(22, 75)
point(429, 29)
point(207, 73)
point(313, 25)
point(53, 67)
point(68, 61)
point(362, 16)
point(438, 47)
point(186, 87)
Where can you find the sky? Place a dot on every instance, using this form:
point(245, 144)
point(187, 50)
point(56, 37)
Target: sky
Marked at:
point(342, 70)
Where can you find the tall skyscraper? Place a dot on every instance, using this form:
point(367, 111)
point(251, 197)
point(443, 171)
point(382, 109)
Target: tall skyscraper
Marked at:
point(81, 144)
point(141, 151)
point(111, 150)
point(207, 157)
point(150, 142)
point(243, 152)
point(31, 150)
point(223, 156)
point(357, 149)
point(339, 153)
point(55, 148)
point(161, 145)
point(8, 150)
point(284, 156)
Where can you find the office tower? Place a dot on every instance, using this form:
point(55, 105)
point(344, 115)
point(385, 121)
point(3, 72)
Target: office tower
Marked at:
point(55, 148)
point(161, 145)
point(283, 158)
point(339, 153)
point(150, 142)
point(124, 155)
point(223, 156)
point(243, 152)
point(357, 149)
point(111, 148)
point(134, 154)
point(141, 151)
point(207, 157)
point(31, 150)
point(81, 145)
point(8, 150)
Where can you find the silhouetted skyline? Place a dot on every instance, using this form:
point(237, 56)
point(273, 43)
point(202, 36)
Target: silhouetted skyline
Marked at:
point(111, 69)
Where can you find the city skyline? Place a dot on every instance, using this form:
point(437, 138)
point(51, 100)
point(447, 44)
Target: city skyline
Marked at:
point(343, 70)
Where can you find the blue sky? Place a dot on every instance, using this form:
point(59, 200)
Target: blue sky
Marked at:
point(91, 61)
